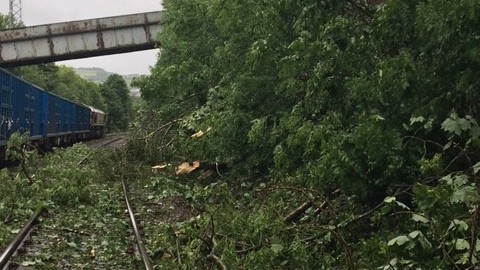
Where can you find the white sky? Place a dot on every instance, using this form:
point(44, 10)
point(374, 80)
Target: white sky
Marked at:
point(37, 12)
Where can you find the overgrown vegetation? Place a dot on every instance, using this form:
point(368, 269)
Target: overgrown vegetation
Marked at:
point(85, 225)
point(118, 103)
point(364, 112)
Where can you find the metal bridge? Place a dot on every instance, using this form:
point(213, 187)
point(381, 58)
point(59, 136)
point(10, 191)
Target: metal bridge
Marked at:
point(79, 39)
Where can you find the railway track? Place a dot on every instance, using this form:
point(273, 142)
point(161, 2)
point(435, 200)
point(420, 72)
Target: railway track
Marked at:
point(113, 141)
point(138, 236)
point(19, 240)
point(39, 241)
point(38, 238)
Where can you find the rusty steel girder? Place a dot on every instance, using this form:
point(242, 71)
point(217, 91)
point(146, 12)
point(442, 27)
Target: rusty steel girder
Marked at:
point(79, 39)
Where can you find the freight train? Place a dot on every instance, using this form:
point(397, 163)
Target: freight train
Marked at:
point(48, 120)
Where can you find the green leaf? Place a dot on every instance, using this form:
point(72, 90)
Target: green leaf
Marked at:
point(419, 218)
point(455, 124)
point(448, 145)
point(456, 181)
point(466, 194)
point(276, 248)
point(418, 119)
point(428, 125)
point(447, 178)
point(462, 244)
point(475, 132)
point(378, 117)
point(414, 234)
point(389, 199)
point(460, 224)
point(399, 240)
point(403, 205)
point(28, 263)
point(393, 199)
point(476, 168)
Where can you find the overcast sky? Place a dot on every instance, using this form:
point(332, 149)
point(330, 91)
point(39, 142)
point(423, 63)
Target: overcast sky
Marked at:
point(37, 12)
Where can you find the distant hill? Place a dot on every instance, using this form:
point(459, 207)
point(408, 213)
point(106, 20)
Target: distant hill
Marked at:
point(99, 75)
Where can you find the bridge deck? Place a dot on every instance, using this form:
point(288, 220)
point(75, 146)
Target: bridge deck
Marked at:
point(78, 39)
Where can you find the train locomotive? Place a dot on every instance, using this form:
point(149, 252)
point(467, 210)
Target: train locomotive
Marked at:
point(48, 119)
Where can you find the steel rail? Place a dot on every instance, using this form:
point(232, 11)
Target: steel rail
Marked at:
point(100, 146)
point(110, 142)
point(19, 238)
point(140, 244)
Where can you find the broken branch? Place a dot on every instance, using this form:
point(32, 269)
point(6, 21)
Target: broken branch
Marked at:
point(297, 212)
point(217, 260)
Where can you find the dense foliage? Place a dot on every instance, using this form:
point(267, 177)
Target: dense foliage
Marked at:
point(5, 22)
point(118, 103)
point(361, 104)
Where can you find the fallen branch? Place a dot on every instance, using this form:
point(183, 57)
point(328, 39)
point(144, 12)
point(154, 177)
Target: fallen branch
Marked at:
point(83, 160)
point(217, 260)
point(316, 212)
point(358, 217)
point(160, 128)
point(23, 165)
point(320, 209)
point(346, 248)
point(247, 250)
point(218, 171)
point(179, 258)
point(336, 233)
point(168, 144)
point(473, 234)
point(297, 212)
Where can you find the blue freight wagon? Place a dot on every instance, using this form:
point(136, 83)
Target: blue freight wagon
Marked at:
point(82, 121)
point(26, 109)
point(49, 120)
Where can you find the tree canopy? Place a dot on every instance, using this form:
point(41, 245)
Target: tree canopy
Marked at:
point(306, 89)
point(118, 103)
point(5, 22)
point(371, 99)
